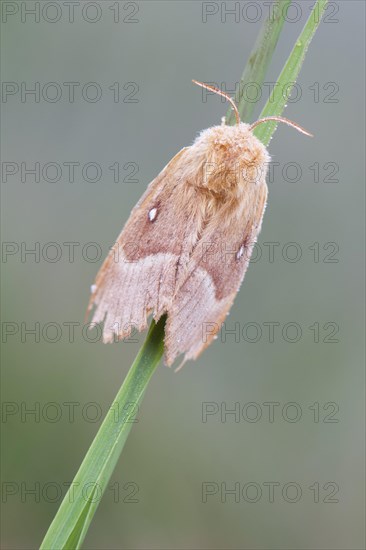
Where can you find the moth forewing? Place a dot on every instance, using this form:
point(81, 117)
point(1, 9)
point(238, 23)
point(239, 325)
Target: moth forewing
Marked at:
point(138, 275)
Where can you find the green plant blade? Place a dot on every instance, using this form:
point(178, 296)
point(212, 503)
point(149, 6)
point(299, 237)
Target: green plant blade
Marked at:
point(259, 60)
point(69, 527)
point(282, 90)
point(78, 533)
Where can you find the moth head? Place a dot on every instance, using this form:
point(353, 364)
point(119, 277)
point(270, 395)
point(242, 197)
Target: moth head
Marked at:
point(227, 146)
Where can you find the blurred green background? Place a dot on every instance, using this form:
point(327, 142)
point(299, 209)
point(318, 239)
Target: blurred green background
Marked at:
point(172, 453)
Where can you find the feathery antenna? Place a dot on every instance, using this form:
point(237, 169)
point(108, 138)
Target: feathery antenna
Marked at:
point(261, 120)
point(285, 121)
point(219, 92)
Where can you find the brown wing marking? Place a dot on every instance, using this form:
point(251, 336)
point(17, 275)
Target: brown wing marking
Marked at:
point(203, 300)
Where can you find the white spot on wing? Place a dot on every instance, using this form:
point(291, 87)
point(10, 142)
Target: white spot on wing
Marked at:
point(93, 288)
point(152, 214)
point(240, 252)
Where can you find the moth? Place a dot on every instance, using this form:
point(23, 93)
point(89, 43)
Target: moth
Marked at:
point(185, 249)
